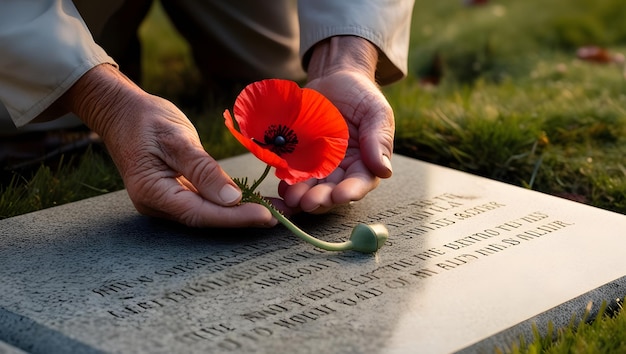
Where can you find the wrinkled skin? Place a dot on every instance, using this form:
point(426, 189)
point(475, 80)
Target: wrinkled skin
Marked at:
point(351, 87)
point(165, 169)
point(168, 174)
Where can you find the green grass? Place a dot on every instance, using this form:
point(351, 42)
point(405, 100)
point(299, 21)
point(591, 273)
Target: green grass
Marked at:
point(561, 129)
point(589, 335)
point(513, 103)
point(70, 179)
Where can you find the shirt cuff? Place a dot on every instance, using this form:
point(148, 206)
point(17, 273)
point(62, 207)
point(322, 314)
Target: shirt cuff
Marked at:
point(384, 23)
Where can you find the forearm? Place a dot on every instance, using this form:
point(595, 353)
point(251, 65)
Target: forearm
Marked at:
point(343, 53)
point(99, 97)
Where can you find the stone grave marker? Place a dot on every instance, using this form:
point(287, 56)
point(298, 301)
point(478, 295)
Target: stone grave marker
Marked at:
point(470, 264)
point(9, 349)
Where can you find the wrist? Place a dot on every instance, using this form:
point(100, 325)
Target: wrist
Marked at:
point(340, 53)
point(100, 96)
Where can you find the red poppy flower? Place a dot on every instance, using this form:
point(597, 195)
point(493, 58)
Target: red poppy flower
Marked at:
point(297, 131)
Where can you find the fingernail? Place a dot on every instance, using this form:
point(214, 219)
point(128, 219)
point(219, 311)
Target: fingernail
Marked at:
point(229, 194)
point(310, 210)
point(387, 163)
point(272, 223)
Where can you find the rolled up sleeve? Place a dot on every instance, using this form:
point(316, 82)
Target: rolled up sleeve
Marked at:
point(385, 23)
point(44, 48)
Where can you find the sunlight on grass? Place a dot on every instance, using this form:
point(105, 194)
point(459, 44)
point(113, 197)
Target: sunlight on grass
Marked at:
point(600, 334)
point(492, 128)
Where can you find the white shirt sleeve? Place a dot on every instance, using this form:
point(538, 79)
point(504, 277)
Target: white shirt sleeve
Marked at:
point(385, 23)
point(45, 47)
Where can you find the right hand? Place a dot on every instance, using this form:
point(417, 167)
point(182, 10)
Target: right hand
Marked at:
point(166, 171)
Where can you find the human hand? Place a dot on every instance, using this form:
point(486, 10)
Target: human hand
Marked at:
point(157, 150)
point(349, 84)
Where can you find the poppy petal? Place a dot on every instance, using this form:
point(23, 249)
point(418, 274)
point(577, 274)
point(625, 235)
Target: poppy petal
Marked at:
point(262, 154)
point(323, 136)
point(314, 131)
point(262, 102)
point(317, 165)
point(318, 112)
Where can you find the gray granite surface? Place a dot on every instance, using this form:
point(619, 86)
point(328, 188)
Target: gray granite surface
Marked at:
point(6, 348)
point(470, 264)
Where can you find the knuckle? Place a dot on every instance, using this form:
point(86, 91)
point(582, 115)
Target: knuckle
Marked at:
point(205, 171)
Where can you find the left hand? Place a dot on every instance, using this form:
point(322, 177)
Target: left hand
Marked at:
point(351, 87)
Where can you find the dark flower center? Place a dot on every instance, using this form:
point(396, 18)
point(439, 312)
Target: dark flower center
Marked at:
point(279, 139)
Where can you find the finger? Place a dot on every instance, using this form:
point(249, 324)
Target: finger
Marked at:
point(318, 198)
point(187, 207)
point(353, 188)
point(357, 181)
point(326, 196)
point(286, 210)
point(376, 153)
point(292, 194)
point(376, 136)
point(205, 174)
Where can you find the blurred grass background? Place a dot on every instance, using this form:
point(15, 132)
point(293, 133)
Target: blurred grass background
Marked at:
point(495, 89)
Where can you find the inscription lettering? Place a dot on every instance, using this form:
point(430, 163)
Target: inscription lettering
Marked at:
point(226, 270)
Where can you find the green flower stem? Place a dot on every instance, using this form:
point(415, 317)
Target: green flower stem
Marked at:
point(364, 238)
point(329, 246)
point(258, 181)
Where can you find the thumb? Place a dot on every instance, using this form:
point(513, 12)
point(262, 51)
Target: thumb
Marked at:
point(379, 163)
point(206, 176)
point(376, 152)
